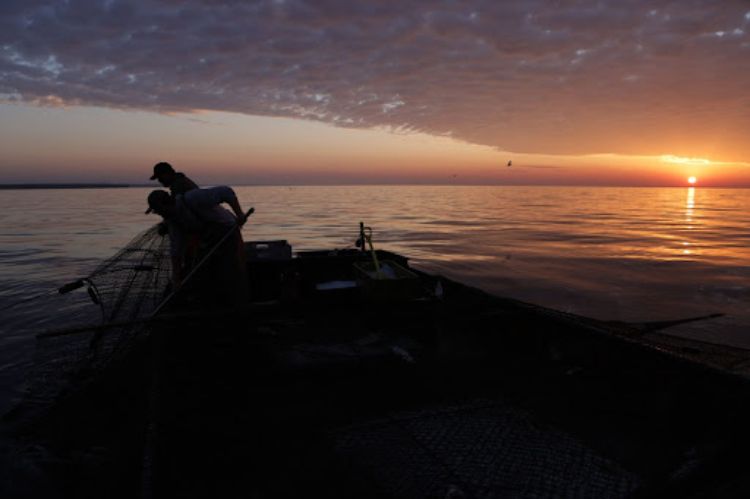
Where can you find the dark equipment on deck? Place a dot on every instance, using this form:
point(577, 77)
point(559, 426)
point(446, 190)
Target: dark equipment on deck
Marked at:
point(352, 374)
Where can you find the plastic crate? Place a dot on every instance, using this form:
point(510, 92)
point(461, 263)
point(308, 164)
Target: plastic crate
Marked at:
point(268, 250)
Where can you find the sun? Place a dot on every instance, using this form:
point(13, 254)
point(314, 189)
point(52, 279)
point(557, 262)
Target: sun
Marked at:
point(692, 180)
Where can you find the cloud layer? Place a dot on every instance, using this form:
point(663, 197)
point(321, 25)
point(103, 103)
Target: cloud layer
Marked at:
point(539, 76)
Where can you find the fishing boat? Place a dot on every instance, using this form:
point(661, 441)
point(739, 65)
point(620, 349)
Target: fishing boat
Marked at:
point(352, 374)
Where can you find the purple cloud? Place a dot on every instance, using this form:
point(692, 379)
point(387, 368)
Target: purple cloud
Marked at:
point(638, 77)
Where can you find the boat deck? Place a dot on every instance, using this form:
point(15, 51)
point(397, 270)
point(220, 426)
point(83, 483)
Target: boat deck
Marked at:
point(332, 384)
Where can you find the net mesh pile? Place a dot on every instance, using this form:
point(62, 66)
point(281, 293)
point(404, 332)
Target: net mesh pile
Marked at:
point(484, 449)
point(130, 284)
point(127, 288)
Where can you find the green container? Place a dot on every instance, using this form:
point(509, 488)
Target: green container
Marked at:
point(392, 283)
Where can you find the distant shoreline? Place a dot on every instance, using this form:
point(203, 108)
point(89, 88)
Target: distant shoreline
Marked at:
point(9, 187)
point(66, 186)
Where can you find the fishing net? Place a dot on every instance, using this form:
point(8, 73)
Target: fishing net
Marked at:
point(126, 288)
point(481, 449)
point(130, 284)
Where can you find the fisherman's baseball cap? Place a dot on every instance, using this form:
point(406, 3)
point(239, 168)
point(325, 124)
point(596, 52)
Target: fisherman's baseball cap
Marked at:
point(157, 198)
point(161, 168)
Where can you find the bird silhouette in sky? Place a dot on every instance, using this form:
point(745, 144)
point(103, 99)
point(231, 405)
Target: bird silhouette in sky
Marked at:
point(510, 162)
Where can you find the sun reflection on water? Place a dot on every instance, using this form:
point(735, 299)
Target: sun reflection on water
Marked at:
point(689, 209)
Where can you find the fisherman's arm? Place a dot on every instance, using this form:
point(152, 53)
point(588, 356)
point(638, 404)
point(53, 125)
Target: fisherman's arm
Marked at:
point(237, 209)
point(224, 194)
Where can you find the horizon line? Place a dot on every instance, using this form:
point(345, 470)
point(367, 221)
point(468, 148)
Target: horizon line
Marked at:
point(125, 185)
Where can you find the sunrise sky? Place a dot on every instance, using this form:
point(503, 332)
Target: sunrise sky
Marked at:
point(342, 91)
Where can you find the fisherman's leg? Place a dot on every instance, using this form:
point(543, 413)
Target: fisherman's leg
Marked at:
point(230, 275)
point(243, 285)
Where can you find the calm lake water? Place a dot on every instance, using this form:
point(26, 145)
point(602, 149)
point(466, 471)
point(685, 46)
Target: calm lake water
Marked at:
point(610, 253)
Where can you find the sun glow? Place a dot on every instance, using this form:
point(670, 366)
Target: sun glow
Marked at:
point(692, 180)
point(668, 158)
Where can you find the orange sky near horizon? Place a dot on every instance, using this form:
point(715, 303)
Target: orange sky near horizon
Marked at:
point(80, 144)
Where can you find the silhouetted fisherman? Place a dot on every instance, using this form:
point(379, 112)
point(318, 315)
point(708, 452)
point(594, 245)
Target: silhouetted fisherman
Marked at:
point(198, 214)
point(177, 182)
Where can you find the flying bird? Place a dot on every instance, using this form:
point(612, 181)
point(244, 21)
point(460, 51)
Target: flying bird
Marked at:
point(510, 162)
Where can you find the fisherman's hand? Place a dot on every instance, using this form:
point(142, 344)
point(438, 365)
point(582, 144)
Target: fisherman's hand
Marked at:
point(240, 216)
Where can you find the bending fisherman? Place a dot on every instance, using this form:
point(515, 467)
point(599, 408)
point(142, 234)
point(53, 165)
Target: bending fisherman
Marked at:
point(198, 214)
